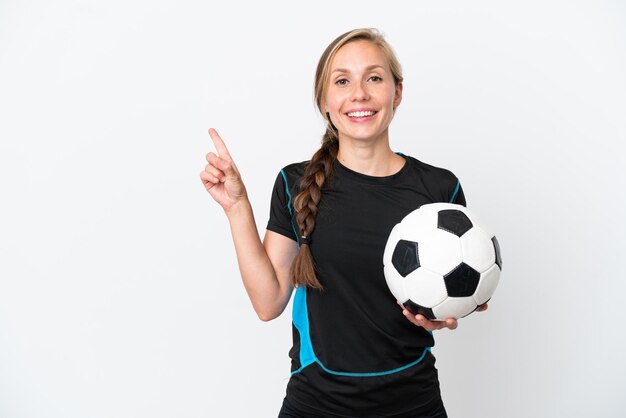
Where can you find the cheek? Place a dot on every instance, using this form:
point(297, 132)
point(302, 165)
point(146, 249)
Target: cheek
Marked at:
point(335, 98)
point(334, 107)
point(330, 99)
point(392, 96)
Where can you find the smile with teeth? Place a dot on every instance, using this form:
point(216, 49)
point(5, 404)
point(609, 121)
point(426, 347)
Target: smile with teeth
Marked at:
point(361, 114)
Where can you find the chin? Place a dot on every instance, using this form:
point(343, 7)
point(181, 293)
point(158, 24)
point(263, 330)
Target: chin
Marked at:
point(364, 136)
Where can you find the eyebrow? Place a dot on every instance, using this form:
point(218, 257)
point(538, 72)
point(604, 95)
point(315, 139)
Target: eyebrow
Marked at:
point(368, 68)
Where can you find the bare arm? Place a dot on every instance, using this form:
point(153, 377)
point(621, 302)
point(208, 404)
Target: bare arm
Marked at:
point(264, 267)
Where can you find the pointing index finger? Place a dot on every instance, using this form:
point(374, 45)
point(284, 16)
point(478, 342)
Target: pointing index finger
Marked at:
point(222, 151)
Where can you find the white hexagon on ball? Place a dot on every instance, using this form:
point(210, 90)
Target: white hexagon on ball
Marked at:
point(439, 251)
point(425, 287)
point(455, 307)
point(477, 248)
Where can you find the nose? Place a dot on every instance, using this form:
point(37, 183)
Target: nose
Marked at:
point(359, 92)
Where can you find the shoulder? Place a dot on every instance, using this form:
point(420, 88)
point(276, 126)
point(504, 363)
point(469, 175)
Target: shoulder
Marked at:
point(294, 169)
point(430, 172)
point(288, 177)
point(291, 173)
point(441, 184)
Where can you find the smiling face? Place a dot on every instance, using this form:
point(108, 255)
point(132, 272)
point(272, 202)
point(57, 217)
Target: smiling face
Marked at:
point(361, 94)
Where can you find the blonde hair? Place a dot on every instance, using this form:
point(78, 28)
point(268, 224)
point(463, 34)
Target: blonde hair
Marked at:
point(320, 167)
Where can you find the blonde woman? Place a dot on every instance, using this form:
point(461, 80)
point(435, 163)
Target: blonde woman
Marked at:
point(356, 352)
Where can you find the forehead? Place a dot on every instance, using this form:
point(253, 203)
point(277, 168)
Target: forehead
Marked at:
point(357, 55)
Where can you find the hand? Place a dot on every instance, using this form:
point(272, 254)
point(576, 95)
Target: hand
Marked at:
point(221, 177)
point(421, 321)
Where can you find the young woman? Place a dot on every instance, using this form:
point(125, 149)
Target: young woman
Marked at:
point(356, 352)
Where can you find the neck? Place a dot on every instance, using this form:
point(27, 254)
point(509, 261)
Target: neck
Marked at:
point(372, 159)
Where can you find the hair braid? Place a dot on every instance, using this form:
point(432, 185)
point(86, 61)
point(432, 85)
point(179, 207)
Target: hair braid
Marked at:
point(317, 171)
point(320, 168)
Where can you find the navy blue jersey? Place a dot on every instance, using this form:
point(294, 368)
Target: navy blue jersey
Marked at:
point(354, 353)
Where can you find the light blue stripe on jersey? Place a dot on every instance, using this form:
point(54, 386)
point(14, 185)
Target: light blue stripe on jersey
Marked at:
point(399, 369)
point(282, 172)
point(301, 322)
point(456, 191)
point(300, 319)
point(299, 312)
point(289, 202)
point(307, 355)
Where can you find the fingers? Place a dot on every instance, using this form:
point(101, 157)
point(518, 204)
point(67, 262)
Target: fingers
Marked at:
point(208, 180)
point(421, 321)
point(482, 307)
point(222, 151)
point(213, 174)
point(451, 323)
point(216, 165)
point(215, 171)
point(220, 167)
point(223, 160)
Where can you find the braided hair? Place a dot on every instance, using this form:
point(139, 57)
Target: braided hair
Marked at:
point(320, 168)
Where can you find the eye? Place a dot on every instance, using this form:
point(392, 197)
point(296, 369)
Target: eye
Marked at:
point(341, 82)
point(375, 78)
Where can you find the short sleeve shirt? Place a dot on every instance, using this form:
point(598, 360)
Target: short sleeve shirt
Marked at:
point(352, 346)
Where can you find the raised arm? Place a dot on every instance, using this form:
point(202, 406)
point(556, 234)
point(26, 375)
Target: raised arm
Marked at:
point(264, 267)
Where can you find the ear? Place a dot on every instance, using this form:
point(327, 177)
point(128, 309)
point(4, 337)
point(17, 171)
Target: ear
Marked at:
point(398, 96)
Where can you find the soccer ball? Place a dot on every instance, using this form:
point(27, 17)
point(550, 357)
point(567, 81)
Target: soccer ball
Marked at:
point(441, 261)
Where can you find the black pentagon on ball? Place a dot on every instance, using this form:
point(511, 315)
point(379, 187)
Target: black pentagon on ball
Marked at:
point(415, 309)
point(405, 257)
point(453, 221)
point(496, 247)
point(462, 281)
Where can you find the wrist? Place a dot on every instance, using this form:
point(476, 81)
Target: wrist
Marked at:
point(240, 206)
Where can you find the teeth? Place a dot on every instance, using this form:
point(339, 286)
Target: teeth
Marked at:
point(360, 114)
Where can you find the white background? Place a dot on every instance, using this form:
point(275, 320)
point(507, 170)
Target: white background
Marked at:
point(119, 290)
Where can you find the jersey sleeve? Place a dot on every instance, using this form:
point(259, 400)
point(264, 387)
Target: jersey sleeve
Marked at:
point(281, 208)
